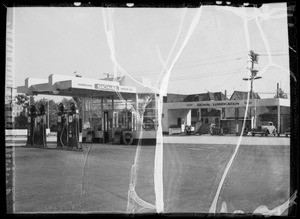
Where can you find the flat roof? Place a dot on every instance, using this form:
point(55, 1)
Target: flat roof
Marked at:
point(228, 103)
point(62, 85)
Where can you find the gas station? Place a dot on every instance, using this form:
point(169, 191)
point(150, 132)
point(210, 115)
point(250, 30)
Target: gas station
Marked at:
point(124, 111)
point(111, 112)
point(229, 113)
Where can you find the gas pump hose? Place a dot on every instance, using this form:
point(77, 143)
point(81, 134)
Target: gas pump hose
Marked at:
point(34, 128)
point(61, 134)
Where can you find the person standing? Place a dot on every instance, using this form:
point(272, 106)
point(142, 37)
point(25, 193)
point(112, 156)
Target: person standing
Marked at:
point(212, 126)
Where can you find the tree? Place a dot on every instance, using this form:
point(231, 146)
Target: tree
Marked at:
point(66, 102)
point(53, 109)
point(22, 100)
point(78, 101)
point(21, 121)
point(280, 94)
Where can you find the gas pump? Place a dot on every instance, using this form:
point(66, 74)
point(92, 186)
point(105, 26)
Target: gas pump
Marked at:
point(62, 127)
point(73, 127)
point(32, 114)
point(41, 127)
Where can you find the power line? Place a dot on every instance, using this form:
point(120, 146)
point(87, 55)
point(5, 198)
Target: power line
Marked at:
point(239, 68)
point(204, 76)
point(203, 64)
point(279, 54)
point(188, 65)
point(215, 57)
point(273, 51)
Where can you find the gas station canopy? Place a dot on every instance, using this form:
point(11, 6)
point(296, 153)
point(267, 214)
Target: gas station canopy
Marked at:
point(81, 87)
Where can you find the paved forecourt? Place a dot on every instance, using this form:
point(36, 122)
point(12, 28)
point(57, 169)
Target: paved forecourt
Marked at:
point(97, 179)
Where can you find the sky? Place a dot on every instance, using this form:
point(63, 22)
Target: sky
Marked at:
point(214, 58)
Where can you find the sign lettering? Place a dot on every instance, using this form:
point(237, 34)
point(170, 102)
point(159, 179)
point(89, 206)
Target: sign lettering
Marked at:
point(106, 87)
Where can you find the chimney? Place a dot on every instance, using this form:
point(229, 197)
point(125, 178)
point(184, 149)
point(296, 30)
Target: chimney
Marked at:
point(225, 93)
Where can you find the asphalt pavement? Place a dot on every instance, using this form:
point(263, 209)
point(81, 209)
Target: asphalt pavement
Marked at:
point(98, 178)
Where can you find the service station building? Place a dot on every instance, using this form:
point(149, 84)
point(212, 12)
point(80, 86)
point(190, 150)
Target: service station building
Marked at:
point(128, 104)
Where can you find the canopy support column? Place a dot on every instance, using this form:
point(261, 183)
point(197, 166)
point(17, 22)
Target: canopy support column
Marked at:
point(278, 118)
point(113, 118)
point(102, 114)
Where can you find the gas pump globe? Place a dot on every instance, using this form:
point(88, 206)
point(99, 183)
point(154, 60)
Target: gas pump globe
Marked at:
point(32, 111)
point(61, 108)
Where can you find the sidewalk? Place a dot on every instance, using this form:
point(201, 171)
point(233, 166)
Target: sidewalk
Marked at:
point(20, 140)
point(226, 140)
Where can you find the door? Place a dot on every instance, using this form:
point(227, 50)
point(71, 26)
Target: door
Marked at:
point(179, 121)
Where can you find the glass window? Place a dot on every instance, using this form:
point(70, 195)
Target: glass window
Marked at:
point(147, 111)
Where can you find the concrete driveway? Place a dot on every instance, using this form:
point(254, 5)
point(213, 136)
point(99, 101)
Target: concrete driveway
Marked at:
point(97, 179)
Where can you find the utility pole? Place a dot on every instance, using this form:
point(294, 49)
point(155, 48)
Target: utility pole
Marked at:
point(254, 60)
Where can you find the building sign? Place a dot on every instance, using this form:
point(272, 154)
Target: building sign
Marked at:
point(127, 89)
point(103, 86)
point(106, 87)
point(222, 104)
point(85, 85)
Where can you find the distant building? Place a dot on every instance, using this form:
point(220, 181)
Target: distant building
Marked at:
point(242, 95)
point(174, 98)
point(209, 96)
point(201, 110)
point(193, 117)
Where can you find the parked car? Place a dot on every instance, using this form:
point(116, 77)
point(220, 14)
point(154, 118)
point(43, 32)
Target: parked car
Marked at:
point(264, 129)
point(260, 131)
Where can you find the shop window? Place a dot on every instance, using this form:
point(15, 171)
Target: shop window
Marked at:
point(124, 120)
point(206, 120)
point(146, 104)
